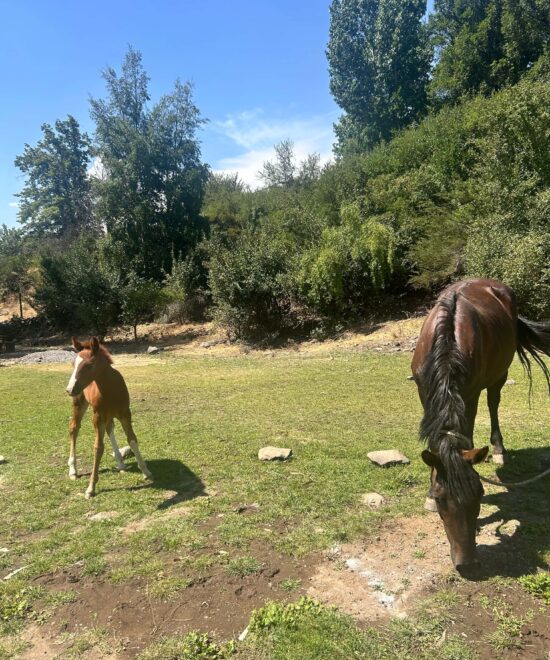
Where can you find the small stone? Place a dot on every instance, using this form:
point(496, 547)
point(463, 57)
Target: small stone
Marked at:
point(274, 454)
point(243, 635)
point(510, 381)
point(152, 350)
point(387, 457)
point(102, 515)
point(374, 500)
point(2, 460)
point(4, 551)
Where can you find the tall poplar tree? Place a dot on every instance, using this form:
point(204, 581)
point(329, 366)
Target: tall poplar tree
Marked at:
point(379, 59)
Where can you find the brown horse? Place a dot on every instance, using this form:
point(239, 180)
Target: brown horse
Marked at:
point(465, 346)
point(94, 382)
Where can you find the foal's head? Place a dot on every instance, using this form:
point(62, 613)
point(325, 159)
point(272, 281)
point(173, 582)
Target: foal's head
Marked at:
point(91, 356)
point(458, 502)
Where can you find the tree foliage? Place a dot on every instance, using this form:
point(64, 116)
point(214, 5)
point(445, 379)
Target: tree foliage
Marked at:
point(151, 189)
point(485, 44)
point(56, 198)
point(379, 60)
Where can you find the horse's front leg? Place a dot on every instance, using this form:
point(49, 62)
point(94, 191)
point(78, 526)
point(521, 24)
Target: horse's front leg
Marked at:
point(500, 455)
point(79, 408)
point(99, 425)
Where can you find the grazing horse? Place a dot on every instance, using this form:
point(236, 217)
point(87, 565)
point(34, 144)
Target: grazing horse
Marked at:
point(466, 345)
point(94, 382)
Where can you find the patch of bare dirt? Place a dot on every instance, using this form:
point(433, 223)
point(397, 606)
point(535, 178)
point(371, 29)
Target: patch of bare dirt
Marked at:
point(214, 601)
point(385, 576)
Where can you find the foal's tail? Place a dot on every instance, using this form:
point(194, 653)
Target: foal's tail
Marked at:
point(534, 341)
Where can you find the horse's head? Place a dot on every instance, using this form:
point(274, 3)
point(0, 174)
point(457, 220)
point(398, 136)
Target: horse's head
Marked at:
point(458, 511)
point(85, 365)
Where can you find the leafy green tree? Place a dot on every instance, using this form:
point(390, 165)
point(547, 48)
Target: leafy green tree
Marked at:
point(379, 60)
point(56, 198)
point(285, 172)
point(140, 299)
point(78, 291)
point(152, 185)
point(483, 45)
point(17, 276)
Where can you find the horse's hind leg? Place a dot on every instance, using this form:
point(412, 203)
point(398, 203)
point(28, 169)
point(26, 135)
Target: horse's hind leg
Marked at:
point(116, 451)
point(80, 406)
point(493, 401)
point(126, 422)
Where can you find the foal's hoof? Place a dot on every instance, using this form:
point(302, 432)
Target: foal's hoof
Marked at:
point(148, 476)
point(89, 494)
point(500, 459)
point(430, 505)
point(73, 477)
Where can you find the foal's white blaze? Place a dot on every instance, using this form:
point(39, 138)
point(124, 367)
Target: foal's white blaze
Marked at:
point(72, 381)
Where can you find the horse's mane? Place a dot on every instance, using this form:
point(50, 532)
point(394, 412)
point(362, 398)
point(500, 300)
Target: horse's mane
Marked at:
point(442, 377)
point(87, 346)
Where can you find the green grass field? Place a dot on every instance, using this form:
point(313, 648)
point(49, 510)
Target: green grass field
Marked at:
point(200, 423)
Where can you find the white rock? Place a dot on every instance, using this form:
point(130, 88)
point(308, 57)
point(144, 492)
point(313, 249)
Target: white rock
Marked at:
point(274, 453)
point(2, 460)
point(374, 500)
point(510, 381)
point(387, 457)
point(152, 350)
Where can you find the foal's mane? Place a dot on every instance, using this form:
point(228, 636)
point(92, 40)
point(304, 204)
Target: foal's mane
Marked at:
point(442, 378)
point(87, 346)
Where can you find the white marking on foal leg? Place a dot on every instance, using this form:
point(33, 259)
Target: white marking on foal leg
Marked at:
point(72, 467)
point(141, 463)
point(116, 450)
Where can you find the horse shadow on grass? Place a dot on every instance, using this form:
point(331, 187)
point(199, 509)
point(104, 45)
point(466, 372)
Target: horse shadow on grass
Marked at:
point(173, 476)
point(514, 535)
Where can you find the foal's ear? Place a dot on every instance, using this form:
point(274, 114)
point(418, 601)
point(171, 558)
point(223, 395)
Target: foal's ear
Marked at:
point(474, 456)
point(432, 460)
point(94, 344)
point(76, 344)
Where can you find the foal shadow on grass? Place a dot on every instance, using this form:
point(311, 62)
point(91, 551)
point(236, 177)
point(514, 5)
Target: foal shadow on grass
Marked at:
point(173, 476)
point(521, 547)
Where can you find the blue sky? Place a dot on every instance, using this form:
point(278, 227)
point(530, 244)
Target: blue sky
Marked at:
point(258, 66)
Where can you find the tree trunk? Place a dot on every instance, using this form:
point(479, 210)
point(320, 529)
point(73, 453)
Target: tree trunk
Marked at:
point(135, 332)
point(20, 304)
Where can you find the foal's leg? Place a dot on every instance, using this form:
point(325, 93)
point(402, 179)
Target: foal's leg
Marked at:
point(80, 406)
point(99, 425)
point(116, 450)
point(493, 400)
point(126, 422)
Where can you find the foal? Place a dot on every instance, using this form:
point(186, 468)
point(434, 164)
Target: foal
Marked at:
point(95, 382)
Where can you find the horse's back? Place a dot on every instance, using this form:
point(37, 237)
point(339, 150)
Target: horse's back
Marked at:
point(485, 329)
point(113, 399)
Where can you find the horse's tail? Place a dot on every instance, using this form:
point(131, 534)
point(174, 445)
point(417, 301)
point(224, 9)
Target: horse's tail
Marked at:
point(534, 341)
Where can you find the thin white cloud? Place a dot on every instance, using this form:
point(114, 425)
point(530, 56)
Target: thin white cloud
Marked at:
point(257, 134)
point(13, 205)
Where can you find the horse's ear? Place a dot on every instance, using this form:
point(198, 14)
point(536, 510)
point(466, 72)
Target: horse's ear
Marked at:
point(432, 460)
point(474, 456)
point(76, 344)
point(94, 344)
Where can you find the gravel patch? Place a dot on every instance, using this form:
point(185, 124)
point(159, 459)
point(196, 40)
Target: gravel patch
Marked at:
point(46, 357)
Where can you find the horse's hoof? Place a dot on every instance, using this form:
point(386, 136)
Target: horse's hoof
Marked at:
point(122, 469)
point(148, 476)
point(500, 459)
point(89, 494)
point(430, 505)
point(73, 477)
